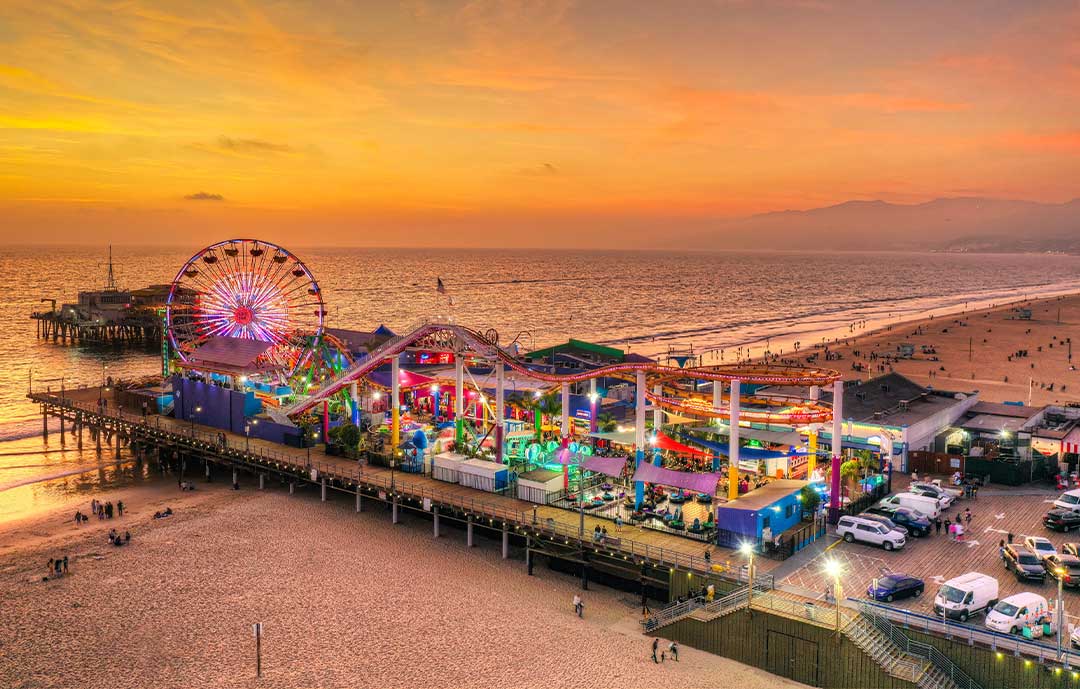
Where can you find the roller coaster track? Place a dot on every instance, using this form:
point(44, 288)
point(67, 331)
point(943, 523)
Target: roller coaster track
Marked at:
point(759, 374)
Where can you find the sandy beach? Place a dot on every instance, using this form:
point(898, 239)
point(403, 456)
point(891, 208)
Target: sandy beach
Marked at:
point(346, 600)
point(971, 351)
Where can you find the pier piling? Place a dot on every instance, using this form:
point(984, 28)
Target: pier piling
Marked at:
point(322, 484)
point(358, 505)
point(262, 480)
point(63, 440)
point(208, 470)
point(234, 477)
point(528, 555)
point(505, 541)
point(45, 427)
point(469, 531)
point(394, 512)
point(78, 431)
point(435, 527)
point(292, 487)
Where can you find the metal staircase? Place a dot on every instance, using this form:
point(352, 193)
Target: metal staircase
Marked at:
point(891, 648)
point(698, 610)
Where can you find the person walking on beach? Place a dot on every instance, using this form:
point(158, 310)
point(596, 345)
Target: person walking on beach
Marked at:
point(49, 567)
point(579, 606)
point(655, 647)
point(120, 507)
point(673, 648)
point(65, 564)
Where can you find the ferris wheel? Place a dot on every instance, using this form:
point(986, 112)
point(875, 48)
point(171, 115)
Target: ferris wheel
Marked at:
point(250, 289)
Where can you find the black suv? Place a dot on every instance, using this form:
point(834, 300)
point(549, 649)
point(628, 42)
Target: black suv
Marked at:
point(1060, 519)
point(1026, 564)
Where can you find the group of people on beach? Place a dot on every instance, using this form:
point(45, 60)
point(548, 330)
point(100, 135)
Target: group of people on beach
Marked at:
point(672, 650)
point(56, 568)
point(118, 540)
point(103, 510)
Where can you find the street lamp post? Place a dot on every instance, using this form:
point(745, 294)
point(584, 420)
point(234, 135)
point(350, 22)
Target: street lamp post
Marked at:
point(747, 549)
point(194, 414)
point(1060, 611)
point(247, 437)
point(315, 439)
point(834, 569)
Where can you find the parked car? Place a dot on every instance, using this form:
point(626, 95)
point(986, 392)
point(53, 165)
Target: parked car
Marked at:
point(966, 595)
point(1040, 546)
point(927, 505)
point(1069, 500)
point(869, 531)
point(945, 500)
point(1024, 563)
point(1074, 638)
point(1064, 567)
point(1071, 549)
point(914, 521)
point(881, 515)
point(1016, 611)
point(951, 490)
point(895, 585)
point(1060, 519)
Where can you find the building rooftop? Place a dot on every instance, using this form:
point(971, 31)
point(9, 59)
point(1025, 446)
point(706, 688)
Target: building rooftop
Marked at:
point(760, 498)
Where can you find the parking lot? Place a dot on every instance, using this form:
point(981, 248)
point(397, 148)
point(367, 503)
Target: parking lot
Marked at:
point(936, 558)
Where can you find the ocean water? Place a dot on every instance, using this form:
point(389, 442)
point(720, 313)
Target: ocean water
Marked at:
point(645, 301)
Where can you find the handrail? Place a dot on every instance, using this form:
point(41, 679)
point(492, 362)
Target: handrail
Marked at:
point(732, 601)
point(916, 648)
point(996, 641)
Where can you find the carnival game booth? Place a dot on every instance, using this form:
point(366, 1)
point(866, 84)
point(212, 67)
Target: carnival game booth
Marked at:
point(541, 486)
point(447, 467)
point(481, 474)
point(760, 516)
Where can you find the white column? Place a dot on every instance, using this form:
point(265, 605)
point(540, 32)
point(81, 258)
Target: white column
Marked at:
point(815, 393)
point(459, 386)
point(733, 441)
point(658, 413)
point(639, 413)
point(500, 409)
point(838, 418)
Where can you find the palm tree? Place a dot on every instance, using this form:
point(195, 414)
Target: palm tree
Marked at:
point(530, 405)
point(606, 423)
point(550, 405)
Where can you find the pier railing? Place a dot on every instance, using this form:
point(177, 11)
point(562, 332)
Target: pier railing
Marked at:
point(228, 446)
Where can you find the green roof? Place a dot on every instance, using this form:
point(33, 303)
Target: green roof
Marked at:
point(579, 345)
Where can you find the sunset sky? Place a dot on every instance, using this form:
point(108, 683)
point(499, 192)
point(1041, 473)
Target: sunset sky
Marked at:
point(502, 122)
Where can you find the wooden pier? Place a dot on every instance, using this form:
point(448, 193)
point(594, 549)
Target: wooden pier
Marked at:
point(143, 330)
point(664, 564)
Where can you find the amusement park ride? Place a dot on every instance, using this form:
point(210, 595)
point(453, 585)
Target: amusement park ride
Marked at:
point(257, 323)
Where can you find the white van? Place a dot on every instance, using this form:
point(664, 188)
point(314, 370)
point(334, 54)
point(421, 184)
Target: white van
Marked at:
point(1016, 611)
point(869, 531)
point(966, 595)
point(927, 505)
point(1069, 500)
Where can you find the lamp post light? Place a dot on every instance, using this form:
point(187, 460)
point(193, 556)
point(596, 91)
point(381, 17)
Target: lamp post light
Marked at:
point(834, 569)
point(747, 549)
point(1059, 613)
point(315, 439)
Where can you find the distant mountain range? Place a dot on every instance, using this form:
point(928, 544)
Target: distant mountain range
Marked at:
point(945, 224)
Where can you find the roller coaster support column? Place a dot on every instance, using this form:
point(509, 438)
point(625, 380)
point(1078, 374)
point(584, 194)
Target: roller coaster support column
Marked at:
point(837, 450)
point(500, 409)
point(733, 442)
point(812, 437)
point(594, 406)
point(459, 401)
point(354, 395)
point(717, 400)
point(657, 412)
point(564, 431)
point(326, 420)
point(639, 435)
point(395, 402)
